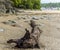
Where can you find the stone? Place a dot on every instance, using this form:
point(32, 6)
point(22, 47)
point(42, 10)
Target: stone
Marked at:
point(6, 6)
point(35, 18)
point(1, 30)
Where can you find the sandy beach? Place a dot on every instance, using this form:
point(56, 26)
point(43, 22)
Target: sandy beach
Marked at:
point(48, 21)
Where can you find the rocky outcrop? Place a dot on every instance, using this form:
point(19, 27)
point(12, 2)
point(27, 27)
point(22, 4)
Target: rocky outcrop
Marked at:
point(6, 6)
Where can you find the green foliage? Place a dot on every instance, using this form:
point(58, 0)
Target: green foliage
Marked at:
point(27, 4)
point(36, 4)
point(16, 2)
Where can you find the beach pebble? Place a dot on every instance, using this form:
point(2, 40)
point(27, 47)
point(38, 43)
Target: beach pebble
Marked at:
point(23, 17)
point(1, 30)
point(18, 18)
point(35, 18)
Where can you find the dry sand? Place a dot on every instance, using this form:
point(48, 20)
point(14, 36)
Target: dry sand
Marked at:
point(49, 23)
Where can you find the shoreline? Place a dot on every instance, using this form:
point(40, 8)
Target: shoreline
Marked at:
point(33, 12)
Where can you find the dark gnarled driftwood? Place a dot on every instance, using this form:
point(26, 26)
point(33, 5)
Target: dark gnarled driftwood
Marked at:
point(30, 39)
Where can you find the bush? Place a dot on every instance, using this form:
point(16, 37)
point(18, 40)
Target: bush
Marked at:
point(27, 4)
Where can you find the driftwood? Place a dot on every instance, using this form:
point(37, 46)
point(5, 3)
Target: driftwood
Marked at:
point(30, 39)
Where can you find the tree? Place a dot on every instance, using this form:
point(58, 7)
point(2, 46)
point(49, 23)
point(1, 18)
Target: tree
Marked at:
point(27, 4)
point(36, 4)
point(16, 2)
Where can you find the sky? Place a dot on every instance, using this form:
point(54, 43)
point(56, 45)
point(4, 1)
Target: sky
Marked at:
point(49, 1)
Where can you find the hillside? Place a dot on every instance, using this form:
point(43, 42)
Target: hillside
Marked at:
point(46, 5)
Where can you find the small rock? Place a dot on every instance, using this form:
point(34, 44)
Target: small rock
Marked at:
point(35, 18)
point(18, 18)
point(23, 17)
point(4, 22)
point(1, 30)
point(11, 21)
point(41, 18)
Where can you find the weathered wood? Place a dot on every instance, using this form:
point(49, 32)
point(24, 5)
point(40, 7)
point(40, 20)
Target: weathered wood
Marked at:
point(30, 39)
